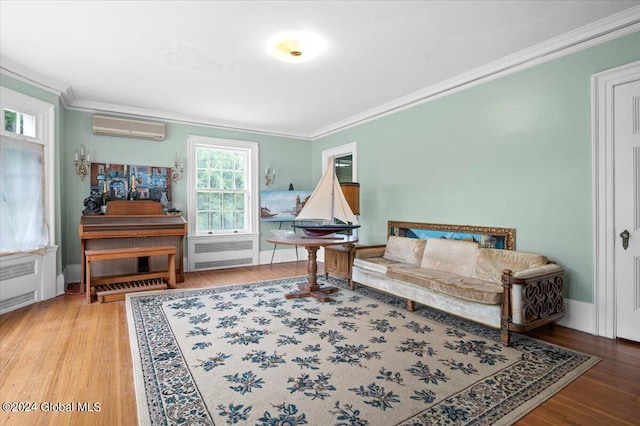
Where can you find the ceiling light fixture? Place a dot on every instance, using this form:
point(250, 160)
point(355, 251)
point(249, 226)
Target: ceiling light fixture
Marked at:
point(295, 47)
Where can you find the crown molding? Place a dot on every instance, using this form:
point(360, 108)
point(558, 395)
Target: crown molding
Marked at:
point(27, 75)
point(598, 32)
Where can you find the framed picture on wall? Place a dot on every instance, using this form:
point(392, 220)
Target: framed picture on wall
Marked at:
point(486, 236)
point(152, 182)
point(281, 205)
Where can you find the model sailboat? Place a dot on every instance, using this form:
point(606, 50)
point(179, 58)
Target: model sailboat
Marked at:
point(327, 203)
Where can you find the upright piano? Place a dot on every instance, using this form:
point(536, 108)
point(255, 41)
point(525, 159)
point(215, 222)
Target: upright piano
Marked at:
point(128, 224)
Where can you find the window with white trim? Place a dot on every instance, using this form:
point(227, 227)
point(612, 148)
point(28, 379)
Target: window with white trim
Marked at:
point(223, 186)
point(26, 173)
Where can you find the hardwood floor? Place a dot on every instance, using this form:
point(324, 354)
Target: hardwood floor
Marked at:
point(62, 352)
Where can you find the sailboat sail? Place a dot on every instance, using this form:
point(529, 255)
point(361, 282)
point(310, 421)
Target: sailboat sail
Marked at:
point(328, 197)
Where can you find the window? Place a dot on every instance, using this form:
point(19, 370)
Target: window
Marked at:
point(21, 177)
point(222, 189)
point(26, 174)
point(223, 186)
point(19, 123)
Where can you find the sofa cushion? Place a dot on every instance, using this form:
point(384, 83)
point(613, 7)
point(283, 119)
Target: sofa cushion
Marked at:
point(490, 263)
point(466, 288)
point(375, 264)
point(453, 256)
point(404, 250)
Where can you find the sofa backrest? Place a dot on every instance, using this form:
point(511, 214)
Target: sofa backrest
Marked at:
point(457, 257)
point(405, 250)
point(490, 263)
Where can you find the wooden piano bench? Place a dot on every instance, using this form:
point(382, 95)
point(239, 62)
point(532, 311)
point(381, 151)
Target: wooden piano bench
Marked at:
point(115, 287)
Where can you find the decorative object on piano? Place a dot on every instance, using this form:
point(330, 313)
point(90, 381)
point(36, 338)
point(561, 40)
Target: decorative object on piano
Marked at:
point(104, 197)
point(92, 206)
point(150, 182)
point(164, 202)
point(118, 188)
point(82, 162)
point(176, 168)
point(133, 190)
point(175, 210)
point(269, 175)
point(327, 203)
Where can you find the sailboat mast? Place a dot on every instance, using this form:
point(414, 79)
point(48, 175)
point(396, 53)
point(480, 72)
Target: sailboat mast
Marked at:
point(333, 171)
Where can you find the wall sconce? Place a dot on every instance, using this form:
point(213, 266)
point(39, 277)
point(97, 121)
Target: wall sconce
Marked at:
point(269, 175)
point(176, 168)
point(82, 162)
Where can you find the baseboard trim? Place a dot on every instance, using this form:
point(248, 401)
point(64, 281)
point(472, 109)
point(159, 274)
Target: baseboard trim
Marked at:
point(580, 316)
point(71, 274)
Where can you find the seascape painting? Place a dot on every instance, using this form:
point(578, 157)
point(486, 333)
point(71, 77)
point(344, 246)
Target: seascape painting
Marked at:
point(487, 241)
point(487, 237)
point(276, 206)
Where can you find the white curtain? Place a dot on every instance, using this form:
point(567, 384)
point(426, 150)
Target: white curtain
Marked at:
point(22, 225)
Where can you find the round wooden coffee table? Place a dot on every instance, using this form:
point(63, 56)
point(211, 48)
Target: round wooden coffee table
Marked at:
point(312, 244)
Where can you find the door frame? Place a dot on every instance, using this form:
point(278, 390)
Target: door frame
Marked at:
point(603, 85)
point(340, 151)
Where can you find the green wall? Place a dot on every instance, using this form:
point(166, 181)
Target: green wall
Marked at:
point(289, 156)
point(512, 152)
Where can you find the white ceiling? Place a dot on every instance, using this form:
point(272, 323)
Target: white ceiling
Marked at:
point(206, 62)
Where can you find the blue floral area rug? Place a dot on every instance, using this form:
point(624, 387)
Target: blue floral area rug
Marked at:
point(245, 355)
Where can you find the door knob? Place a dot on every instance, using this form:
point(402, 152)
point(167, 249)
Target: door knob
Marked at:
point(625, 239)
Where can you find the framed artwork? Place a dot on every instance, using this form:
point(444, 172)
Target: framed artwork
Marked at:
point(486, 236)
point(276, 206)
point(151, 181)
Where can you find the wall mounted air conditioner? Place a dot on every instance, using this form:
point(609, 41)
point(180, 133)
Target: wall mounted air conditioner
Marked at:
point(115, 126)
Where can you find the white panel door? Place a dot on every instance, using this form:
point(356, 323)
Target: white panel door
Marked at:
point(627, 209)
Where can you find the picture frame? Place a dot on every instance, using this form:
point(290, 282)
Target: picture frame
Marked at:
point(152, 181)
point(486, 236)
point(278, 206)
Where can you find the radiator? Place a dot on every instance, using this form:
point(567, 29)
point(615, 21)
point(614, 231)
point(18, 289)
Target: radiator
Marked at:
point(27, 278)
point(224, 251)
point(20, 281)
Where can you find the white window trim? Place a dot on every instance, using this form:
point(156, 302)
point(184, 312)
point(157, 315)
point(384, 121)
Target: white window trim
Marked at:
point(252, 177)
point(341, 151)
point(45, 134)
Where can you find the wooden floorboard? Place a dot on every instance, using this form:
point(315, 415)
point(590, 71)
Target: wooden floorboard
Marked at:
point(63, 352)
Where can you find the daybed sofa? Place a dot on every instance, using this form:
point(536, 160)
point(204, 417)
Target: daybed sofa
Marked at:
point(505, 289)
